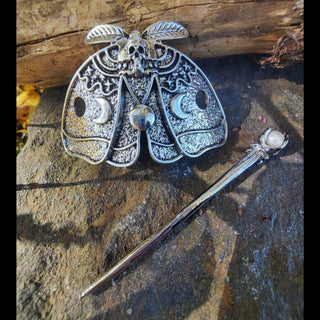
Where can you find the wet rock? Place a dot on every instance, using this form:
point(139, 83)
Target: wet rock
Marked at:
point(75, 220)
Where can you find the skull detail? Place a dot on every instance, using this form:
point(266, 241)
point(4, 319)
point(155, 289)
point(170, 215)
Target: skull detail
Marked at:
point(135, 55)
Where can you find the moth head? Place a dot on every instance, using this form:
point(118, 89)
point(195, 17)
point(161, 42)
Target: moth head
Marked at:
point(135, 47)
point(137, 53)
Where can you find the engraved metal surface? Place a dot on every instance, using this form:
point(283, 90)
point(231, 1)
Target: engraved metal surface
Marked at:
point(134, 85)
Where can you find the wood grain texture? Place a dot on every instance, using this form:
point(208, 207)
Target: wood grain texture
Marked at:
point(50, 34)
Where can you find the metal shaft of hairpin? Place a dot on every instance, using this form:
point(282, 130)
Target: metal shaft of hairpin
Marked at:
point(270, 143)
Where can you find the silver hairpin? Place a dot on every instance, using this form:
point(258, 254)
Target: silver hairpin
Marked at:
point(138, 84)
point(270, 143)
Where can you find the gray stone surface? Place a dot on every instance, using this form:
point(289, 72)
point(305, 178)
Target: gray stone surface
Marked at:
point(241, 258)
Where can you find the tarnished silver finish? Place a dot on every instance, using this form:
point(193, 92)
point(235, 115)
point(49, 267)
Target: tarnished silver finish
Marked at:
point(183, 114)
point(257, 152)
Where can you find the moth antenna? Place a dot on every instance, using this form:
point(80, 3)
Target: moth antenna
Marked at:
point(105, 33)
point(165, 30)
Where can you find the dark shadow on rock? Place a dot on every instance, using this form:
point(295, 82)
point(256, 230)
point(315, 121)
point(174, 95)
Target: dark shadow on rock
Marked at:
point(28, 229)
point(266, 271)
point(293, 73)
point(171, 290)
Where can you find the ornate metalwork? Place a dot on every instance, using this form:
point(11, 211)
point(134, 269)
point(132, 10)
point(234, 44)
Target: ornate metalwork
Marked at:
point(134, 85)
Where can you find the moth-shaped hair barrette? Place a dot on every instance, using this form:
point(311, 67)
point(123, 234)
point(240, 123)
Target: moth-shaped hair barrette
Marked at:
point(138, 84)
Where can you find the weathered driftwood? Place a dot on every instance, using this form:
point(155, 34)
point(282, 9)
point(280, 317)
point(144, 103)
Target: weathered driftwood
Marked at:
point(50, 34)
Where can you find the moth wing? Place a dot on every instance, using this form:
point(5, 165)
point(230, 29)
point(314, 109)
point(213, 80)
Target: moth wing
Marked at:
point(90, 113)
point(192, 109)
point(161, 143)
point(126, 147)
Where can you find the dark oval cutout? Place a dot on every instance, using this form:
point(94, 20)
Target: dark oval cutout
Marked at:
point(202, 99)
point(79, 106)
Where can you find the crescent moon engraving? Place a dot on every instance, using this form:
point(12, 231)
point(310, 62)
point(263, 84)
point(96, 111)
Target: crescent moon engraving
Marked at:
point(105, 114)
point(175, 104)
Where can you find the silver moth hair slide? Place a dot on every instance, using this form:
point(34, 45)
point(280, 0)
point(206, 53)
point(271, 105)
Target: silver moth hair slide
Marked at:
point(139, 84)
